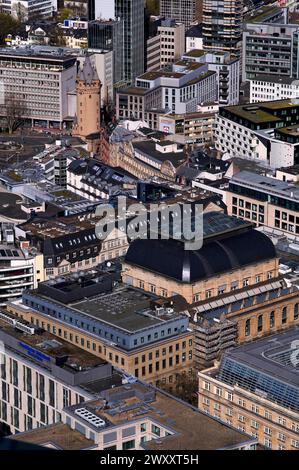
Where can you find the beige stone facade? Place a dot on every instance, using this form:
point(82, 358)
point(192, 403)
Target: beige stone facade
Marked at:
point(263, 213)
point(156, 363)
point(275, 426)
point(203, 289)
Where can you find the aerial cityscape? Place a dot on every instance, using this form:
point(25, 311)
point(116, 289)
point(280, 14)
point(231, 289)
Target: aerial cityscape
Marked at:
point(149, 227)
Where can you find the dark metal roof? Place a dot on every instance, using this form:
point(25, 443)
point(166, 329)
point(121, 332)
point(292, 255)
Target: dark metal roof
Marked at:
point(169, 258)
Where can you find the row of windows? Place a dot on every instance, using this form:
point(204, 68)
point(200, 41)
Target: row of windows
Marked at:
point(272, 319)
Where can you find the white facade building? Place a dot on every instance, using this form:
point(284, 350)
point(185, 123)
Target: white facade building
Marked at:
point(273, 88)
point(25, 10)
point(227, 67)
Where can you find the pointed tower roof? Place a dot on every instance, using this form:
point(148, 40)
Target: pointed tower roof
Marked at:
point(87, 73)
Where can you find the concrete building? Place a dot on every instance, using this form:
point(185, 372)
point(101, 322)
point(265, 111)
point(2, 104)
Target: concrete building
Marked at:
point(270, 49)
point(17, 267)
point(265, 131)
point(194, 128)
point(88, 91)
point(164, 267)
point(178, 89)
point(182, 11)
point(265, 88)
point(42, 375)
point(100, 424)
point(36, 81)
point(194, 39)
point(222, 22)
point(167, 46)
point(227, 67)
point(255, 390)
point(264, 201)
point(138, 332)
point(25, 10)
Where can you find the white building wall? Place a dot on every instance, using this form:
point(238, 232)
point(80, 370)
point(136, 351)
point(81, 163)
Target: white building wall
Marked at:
point(271, 91)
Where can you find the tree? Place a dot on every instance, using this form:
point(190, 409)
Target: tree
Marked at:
point(185, 387)
point(14, 111)
point(8, 25)
point(64, 14)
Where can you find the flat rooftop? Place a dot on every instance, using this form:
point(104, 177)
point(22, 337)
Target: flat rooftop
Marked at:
point(49, 345)
point(126, 307)
point(266, 184)
point(190, 428)
point(57, 436)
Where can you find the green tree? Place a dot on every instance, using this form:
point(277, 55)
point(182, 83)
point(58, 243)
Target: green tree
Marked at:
point(8, 25)
point(64, 14)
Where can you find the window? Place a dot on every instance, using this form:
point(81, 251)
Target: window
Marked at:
point(260, 323)
point(247, 327)
point(156, 430)
point(143, 427)
point(296, 312)
point(129, 445)
point(284, 315)
point(272, 319)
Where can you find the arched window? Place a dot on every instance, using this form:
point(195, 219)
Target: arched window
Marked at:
point(272, 319)
point(296, 312)
point(247, 327)
point(260, 323)
point(284, 315)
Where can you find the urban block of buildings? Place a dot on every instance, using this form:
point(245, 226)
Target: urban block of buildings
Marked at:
point(254, 389)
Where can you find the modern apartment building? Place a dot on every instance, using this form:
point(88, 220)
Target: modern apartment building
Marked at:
point(155, 421)
point(270, 49)
point(27, 10)
point(36, 82)
point(138, 332)
point(265, 88)
point(255, 389)
point(227, 67)
point(41, 375)
point(264, 201)
point(194, 128)
point(17, 267)
point(182, 11)
point(166, 268)
point(222, 23)
point(178, 89)
point(264, 131)
point(166, 46)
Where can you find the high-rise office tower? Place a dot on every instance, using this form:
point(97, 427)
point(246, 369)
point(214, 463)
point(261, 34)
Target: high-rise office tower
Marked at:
point(222, 25)
point(131, 13)
point(182, 11)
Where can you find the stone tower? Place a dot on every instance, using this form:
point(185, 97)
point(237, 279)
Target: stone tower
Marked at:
point(88, 91)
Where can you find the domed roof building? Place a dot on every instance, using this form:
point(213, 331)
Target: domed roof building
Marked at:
point(233, 256)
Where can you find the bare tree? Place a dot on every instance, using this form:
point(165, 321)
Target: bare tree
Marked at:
point(13, 110)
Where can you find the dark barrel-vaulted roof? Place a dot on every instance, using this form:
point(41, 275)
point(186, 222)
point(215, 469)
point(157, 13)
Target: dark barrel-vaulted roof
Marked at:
point(169, 258)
